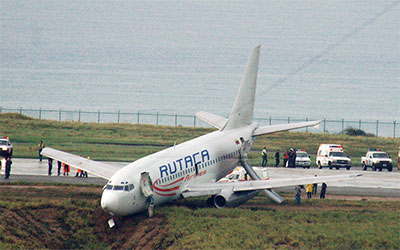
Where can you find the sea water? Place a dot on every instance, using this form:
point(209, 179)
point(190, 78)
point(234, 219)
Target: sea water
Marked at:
point(180, 57)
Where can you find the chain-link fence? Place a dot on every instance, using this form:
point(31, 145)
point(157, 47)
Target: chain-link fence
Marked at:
point(376, 128)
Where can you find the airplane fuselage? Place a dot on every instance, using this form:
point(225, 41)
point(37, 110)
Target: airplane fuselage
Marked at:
point(204, 159)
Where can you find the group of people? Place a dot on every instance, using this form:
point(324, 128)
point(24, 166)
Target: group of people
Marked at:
point(311, 189)
point(289, 158)
point(66, 169)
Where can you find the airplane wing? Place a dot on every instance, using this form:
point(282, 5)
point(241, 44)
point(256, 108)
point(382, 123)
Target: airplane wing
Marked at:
point(283, 127)
point(215, 188)
point(97, 168)
point(214, 120)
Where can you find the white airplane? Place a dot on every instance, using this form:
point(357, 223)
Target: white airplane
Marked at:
point(193, 168)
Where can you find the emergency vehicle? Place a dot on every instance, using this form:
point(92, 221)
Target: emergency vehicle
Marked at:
point(240, 174)
point(302, 159)
point(332, 156)
point(376, 159)
point(6, 150)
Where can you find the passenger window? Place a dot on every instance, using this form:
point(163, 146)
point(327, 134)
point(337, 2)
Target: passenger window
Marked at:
point(127, 188)
point(109, 187)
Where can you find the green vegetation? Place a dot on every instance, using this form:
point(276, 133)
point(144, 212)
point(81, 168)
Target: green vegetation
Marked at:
point(128, 142)
point(356, 132)
point(66, 216)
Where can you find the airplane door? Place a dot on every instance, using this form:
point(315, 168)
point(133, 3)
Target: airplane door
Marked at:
point(146, 184)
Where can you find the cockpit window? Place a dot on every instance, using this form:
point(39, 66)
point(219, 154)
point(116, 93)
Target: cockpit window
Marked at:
point(117, 187)
point(127, 187)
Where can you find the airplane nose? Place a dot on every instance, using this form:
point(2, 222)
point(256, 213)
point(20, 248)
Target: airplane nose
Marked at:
point(110, 202)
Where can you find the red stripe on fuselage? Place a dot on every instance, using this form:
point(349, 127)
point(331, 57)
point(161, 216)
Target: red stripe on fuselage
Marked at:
point(166, 190)
point(171, 194)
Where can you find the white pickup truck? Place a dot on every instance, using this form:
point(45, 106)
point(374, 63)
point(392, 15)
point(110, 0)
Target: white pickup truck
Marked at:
point(376, 159)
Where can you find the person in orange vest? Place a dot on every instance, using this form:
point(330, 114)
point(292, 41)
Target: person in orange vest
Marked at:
point(78, 173)
point(285, 159)
point(65, 169)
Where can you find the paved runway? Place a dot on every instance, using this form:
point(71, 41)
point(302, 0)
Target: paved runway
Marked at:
point(371, 183)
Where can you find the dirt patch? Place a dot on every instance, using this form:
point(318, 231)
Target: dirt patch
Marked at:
point(56, 226)
point(132, 232)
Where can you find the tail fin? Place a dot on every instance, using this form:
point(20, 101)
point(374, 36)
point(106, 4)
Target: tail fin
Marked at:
point(242, 111)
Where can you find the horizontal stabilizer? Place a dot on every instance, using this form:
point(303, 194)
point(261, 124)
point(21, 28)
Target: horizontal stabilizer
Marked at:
point(214, 120)
point(97, 168)
point(283, 127)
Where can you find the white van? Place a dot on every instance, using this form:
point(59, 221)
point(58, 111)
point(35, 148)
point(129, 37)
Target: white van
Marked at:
point(332, 156)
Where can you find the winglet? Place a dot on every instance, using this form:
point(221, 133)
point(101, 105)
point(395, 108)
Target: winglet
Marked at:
point(243, 108)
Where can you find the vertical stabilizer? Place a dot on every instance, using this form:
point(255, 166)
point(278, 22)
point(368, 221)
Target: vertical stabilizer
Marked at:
point(242, 111)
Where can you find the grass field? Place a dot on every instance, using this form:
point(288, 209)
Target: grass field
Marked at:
point(67, 216)
point(128, 142)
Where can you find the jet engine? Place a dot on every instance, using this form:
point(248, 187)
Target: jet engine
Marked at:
point(227, 198)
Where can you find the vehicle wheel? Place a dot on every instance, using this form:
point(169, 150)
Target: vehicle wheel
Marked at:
point(373, 168)
point(337, 168)
point(364, 167)
point(348, 168)
point(308, 167)
point(319, 165)
point(390, 169)
point(380, 169)
point(330, 165)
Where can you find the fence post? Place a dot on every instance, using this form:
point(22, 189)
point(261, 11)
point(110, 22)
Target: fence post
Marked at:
point(342, 126)
point(119, 113)
point(79, 115)
point(1, 109)
point(40, 113)
point(377, 125)
point(98, 116)
point(288, 120)
point(157, 119)
point(176, 120)
point(194, 121)
point(20, 110)
point(270, 121)
point(394, 129)
point(138, 117)
point(306, 121)
point(324, 125)
point(59, 116)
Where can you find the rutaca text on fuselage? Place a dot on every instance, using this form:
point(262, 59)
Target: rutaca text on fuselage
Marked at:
point(184, 162)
